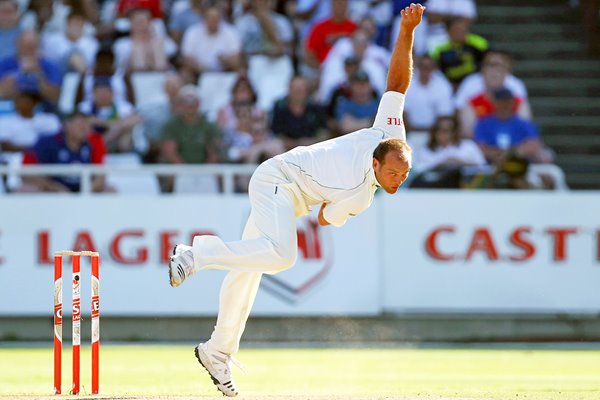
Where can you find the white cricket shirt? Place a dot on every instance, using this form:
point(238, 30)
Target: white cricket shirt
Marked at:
point(340, 171)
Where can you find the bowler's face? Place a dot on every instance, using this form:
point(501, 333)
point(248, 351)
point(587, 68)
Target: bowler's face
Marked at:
point(392, 172)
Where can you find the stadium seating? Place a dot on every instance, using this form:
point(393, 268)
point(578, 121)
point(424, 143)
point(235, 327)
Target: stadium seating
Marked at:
point(68, 92)
point(148, 87)
point(130, 184)
point(193, 184)
point(270, 77)
point(214, 89)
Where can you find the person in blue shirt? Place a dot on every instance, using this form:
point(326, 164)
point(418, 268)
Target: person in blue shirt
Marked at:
point(10, 29)
point(504, 133)
point(75, 144)
point(28, 71)
point(357, 111)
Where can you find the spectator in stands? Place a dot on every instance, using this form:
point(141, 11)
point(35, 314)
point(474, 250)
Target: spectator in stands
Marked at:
point(22, 129)
point(104, 67)
point(378, 15)
point(188, 137)
point(474, 98)
point(444, 10)
point(445, 148)
point(186, 18)
point(504, 133)
point(41, 16)
point(432, 31)
point(10, 29)
point(264, 144)
point(324, 34)
point(29, 71)
point(297, 120)
point(263, 31)
point(156, 114)
point(253, 142)
point(310, 12)
point(429, 96)
point(243, 96)
point(462, 54)
point(237, 137)
point(73, 145)
point(72, 50)
point(153, 6)
point(373, 59)
point(113, 119)
point(351, 66)
point(49, 17)
point(358, 111)
point(211, 45)
point(440, 12)
point(143, 49)
point(511, 173)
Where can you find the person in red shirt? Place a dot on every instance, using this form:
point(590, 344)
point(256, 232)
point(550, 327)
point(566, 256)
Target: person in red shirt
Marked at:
point(73, 145)
point(484, 106)
point(325, 33)
point(154, 6)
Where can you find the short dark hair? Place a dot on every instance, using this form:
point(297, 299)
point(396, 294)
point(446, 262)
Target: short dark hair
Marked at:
point(76, 14)
point(392, 144)
point(242, 80)
point(432, 143)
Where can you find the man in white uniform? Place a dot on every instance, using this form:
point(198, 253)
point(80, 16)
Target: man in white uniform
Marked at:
point(341, 175)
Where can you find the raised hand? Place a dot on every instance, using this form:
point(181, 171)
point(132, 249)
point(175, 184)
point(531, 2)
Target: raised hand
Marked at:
point(412, 15)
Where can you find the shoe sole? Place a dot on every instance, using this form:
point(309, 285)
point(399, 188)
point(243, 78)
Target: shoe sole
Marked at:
point(170, 273)
point(174, 253)
point(181, 274)
point(214, 380)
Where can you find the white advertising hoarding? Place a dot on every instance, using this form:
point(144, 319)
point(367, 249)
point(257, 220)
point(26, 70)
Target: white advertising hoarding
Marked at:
point(135, 236)
point(417, 251)
point(491, 251)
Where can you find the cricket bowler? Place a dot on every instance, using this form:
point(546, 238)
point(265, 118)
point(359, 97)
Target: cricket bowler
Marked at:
point(340, 175)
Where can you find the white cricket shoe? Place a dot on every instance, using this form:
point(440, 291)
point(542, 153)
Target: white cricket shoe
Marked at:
point(180, 248)
point(181, 264)
point(218, 366)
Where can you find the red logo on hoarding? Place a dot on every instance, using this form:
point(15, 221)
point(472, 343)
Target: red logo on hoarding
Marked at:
point(126, 247)
point(482, 241)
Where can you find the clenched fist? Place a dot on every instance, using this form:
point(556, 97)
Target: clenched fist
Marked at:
point(412, 15)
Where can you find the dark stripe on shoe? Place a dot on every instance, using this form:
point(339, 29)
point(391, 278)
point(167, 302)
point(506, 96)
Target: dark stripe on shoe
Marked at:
point(214, 380)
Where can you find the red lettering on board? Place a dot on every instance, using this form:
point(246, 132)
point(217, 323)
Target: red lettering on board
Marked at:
point(115, 249)
point(518, 240)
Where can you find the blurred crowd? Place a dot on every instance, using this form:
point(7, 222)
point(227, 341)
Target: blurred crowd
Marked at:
point(238, 81)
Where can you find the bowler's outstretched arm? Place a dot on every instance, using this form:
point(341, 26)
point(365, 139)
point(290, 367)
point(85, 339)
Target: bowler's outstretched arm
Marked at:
point(401, 63)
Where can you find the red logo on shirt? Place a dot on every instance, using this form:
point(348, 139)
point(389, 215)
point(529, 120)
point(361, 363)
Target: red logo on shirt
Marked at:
point(394, 121)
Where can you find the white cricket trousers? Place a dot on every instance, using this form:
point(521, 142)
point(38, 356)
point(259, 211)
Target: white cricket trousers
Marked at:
point(268, 245)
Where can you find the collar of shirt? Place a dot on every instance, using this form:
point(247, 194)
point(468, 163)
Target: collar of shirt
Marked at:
point(373, 178)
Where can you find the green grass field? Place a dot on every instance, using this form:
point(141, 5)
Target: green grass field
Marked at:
point(148, 371)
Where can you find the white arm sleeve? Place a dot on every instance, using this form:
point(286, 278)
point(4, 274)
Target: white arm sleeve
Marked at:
point(336, 214)
point(389, 114)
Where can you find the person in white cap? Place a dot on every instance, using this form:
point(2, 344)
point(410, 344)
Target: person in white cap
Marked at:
point(341, 175)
